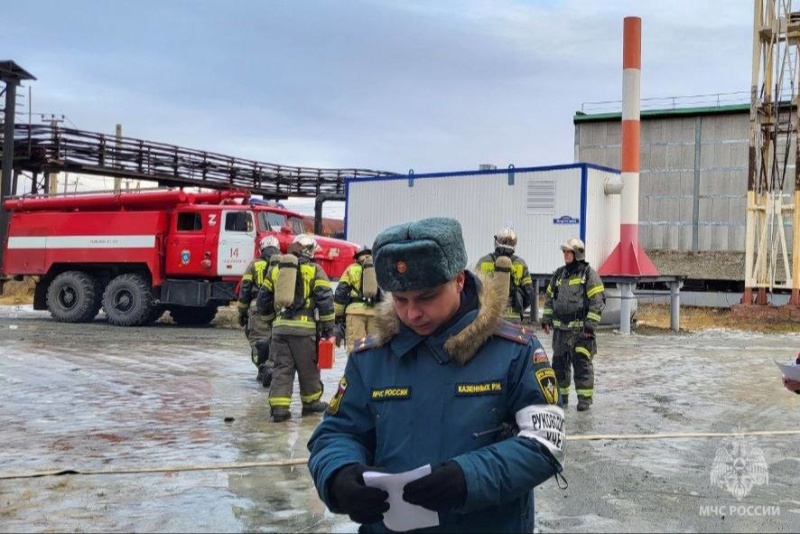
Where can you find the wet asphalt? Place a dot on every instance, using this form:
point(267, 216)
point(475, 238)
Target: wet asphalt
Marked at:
point(141, 409)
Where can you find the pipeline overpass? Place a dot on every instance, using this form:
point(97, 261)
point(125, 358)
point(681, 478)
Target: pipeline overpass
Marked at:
point(44, 149)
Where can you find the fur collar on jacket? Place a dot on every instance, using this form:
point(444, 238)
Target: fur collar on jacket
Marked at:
point(463, 346)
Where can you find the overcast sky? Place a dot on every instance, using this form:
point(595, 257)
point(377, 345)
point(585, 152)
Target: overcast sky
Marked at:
point(429, 85)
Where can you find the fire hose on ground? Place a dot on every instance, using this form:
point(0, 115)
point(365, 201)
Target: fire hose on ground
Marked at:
point(302, 461)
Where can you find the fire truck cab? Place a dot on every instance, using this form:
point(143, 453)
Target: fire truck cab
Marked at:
point(137, 255)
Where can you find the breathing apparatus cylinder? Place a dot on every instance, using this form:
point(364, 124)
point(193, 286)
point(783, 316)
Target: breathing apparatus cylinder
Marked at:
point(502, 271)
point(286, 282)
point(369, 281)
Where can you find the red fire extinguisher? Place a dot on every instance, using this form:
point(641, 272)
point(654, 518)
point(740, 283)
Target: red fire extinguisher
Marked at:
point(326, 347)
point(326, 350)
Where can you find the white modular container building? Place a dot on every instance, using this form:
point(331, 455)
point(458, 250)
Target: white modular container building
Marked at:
point(543, 205)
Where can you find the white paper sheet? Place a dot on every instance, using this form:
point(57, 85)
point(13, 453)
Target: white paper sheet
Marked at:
point(402, 515)
point(789, 370)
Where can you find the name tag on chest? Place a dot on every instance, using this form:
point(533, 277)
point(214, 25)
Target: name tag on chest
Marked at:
point(391, 393)
point(481, 388)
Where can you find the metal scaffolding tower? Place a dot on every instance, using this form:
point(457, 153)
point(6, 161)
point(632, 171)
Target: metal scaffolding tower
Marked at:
point(772, 156)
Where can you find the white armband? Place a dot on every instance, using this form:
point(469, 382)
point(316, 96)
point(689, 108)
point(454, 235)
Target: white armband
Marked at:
point(545, 424)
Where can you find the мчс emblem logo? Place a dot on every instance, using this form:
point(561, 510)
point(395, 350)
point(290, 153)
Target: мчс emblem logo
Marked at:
point(336, 401)
point(547, 382)
point(738, 466)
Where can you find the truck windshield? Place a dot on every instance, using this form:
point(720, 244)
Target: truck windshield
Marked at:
point(297, 225)
point(273, 222)
point(270, 221)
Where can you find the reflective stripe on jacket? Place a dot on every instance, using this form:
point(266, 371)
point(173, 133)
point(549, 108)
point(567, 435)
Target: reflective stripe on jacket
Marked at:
point(520, 278)
point(348, 294)
point(251, 281)
point(315, 292)
point(574, 299)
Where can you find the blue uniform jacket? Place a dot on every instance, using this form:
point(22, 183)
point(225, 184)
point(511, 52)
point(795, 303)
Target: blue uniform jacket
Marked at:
point(407, 400)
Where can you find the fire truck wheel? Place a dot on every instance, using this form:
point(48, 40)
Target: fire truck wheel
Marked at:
point(71, 297)
point(193, 316)
point(127, 300)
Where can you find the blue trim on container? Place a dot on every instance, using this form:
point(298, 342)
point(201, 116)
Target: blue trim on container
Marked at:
point(601, 168)
point(584, 195)
point(488, 173)
point(500, 172)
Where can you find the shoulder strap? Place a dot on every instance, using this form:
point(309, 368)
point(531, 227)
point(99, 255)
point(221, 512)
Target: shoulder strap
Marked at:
point(585, 272)
point(515, 332)
point(369, 342)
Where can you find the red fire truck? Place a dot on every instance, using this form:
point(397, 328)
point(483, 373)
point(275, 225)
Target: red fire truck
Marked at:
point(139, 254)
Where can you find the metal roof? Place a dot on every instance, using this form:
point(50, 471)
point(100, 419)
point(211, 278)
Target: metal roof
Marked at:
point(659, 113)
point(10, 71)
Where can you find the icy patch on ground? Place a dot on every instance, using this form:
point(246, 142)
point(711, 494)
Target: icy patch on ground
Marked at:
point(21, 310)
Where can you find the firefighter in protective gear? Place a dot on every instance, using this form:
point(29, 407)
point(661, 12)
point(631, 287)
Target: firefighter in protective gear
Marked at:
point(294, 340)
point(355, 300)
point(574, 302)
point(257, 327)
point(520, 291)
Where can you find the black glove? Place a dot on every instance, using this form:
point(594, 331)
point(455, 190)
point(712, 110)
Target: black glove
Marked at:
point(518, 300)
point(326, 329)
point(243, 319)
point(588, 332)
point(443, 489)
point(339, 330)
point(349, 495)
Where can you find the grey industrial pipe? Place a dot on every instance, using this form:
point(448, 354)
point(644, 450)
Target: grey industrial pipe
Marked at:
point(318, 201)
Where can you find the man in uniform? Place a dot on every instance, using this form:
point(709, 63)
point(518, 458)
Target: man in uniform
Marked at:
point(294, 340)
point(446, 383)
point(356, 311)
point(520, 292)
point(573, 306)
point(257, 326)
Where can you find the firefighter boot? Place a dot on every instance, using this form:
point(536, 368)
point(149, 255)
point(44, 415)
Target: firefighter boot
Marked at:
point(584, 403)
point(279, 415)
point(314, 407)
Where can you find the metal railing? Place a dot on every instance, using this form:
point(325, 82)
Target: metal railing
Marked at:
point(671, 102)
point(43, 149)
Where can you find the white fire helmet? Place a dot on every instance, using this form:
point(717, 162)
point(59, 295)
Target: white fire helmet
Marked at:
point(269, 241)
point(506, 239)
point(576, 246)
point(308, 245)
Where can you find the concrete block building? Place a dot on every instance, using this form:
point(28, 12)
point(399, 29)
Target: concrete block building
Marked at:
point(693, 185)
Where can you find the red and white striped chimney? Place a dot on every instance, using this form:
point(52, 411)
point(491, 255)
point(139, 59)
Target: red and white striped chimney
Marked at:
point(628, 258)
